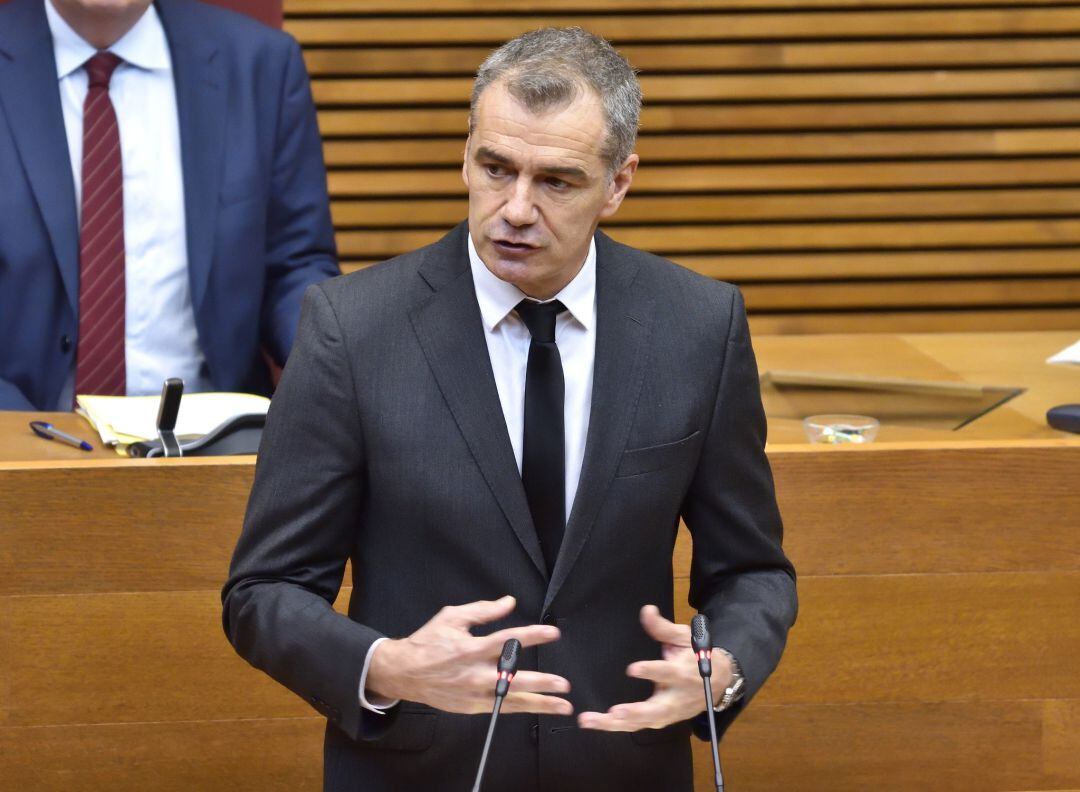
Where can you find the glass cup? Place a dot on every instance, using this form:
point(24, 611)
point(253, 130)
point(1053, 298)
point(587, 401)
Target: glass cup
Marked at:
point(840, 429)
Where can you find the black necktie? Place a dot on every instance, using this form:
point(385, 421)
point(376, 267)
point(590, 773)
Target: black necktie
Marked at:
point(543, 466)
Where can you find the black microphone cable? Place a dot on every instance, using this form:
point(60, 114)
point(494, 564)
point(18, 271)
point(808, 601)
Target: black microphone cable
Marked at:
point(508, 663)
point(702, 644)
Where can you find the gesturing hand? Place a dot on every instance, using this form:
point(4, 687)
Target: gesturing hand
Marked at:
point(444, 666)
point(677, 692)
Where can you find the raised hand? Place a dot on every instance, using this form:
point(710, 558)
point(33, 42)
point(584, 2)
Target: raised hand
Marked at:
point(677, 690)
point(444, 666)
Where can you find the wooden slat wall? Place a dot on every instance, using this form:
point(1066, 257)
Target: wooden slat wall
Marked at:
point(852, 164)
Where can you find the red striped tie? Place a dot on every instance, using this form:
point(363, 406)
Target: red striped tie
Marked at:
point(100, 361)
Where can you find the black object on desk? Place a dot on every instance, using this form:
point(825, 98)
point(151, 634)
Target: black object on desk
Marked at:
point(1065, 417)
point(238, 435)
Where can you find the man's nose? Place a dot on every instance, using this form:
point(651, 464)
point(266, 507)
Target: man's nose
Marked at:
point(520, 209)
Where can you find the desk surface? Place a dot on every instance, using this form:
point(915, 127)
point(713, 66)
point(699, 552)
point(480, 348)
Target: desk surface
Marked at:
point(1007, 359)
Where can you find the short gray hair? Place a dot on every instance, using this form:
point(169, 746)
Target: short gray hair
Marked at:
point(546, 68)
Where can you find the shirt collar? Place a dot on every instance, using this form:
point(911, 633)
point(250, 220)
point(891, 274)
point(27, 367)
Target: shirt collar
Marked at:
point(497, 298)
point(144, 46)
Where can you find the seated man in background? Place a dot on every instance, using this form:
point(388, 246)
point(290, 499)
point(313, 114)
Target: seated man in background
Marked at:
point(163, 203)
point(526, 408)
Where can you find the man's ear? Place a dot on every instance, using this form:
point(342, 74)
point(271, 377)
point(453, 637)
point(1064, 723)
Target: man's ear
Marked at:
point(620, 184)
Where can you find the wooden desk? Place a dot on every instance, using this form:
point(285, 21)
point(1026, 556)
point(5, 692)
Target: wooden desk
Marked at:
point(935, 649)
point(1015, 359)
point(1007, 359)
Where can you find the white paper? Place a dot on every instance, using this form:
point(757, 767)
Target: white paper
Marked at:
point(125, 419)
point(1069, 355)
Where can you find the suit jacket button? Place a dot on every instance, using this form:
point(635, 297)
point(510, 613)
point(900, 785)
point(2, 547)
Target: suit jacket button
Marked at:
point(548, 618)
point(65, 343)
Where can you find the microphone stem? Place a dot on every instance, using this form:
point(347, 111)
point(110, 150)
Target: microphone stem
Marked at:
point(719, 777)
point(487, 743)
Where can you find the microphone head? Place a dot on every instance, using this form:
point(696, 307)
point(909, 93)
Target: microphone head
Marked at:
point(508, 662)
point(699, 633)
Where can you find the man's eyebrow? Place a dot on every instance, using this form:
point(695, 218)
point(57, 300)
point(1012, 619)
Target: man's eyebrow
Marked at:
point(485, 153)
point(570, 171)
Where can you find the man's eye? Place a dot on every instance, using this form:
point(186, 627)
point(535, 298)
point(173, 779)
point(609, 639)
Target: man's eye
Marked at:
point(495, 170)
point(558, 184)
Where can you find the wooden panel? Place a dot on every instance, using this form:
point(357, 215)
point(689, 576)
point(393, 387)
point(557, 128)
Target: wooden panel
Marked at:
point(883, 265)
point(914, 321)
point(695, 27)
point(929, 638)
point(352, 7)
point(673, 240)
point(943, 113)
point(683, 57)
point(639, 209)
point(840, 264)
point(162, 656)
point(738, 178)
point(140, 657)
point(282, 755)
point(943, 523)
point(51, 547)
point(960, 293)
point(945, 746)
point(713, 148)
point(694, 88)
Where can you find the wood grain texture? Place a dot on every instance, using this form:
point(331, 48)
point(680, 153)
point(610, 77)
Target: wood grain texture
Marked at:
point(681, 57)
point(282, 755)
point(628, 28)
point(947, 746)
point(140, 656)
point(162, 656)
point(115, 526)
point(915, 321)
point(642, 209)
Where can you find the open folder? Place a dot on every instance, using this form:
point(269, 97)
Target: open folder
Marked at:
point(123, 420)
point(899, 400)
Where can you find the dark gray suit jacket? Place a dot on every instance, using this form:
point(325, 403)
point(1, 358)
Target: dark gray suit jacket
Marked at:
point(386, 445)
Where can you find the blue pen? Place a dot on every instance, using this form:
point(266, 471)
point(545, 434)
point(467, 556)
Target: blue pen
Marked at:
point(50, 432)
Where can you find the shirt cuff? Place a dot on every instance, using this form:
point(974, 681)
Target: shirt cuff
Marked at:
point(379, 704)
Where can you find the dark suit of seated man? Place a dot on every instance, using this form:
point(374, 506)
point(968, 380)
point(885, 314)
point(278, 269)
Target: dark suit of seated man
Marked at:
point(501, 431)
point(164, 201)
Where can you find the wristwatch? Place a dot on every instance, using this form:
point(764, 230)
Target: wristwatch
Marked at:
point(736, 687)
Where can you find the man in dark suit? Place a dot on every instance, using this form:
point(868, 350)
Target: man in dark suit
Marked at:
point(211, 155)
point(524, 408)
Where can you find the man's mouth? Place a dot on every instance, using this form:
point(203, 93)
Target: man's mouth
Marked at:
point(507, 246)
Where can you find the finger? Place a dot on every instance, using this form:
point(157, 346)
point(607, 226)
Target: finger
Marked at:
point(662, 672)
point(653, 713)
point(536, 703)
point(662, 630)
point(536, 682)
point(479, 612)
point(529, 635)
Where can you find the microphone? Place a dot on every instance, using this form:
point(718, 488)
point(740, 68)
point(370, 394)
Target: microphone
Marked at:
point(508, 663)
point(701, 642)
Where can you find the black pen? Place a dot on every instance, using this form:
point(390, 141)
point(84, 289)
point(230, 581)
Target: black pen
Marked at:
point(50, 432)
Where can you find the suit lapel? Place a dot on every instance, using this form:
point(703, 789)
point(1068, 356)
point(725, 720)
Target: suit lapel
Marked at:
point(202, 102)
point(451, 333)
point(624, 314)
point(29, 91)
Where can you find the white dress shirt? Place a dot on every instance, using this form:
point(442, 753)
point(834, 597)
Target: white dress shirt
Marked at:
point(161, 340)
point(508, 341)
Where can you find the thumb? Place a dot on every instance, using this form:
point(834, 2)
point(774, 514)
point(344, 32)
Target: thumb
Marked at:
point(662, 630)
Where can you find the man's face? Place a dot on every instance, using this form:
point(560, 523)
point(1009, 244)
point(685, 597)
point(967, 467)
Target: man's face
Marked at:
point(103, 8)
point(538, 187)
